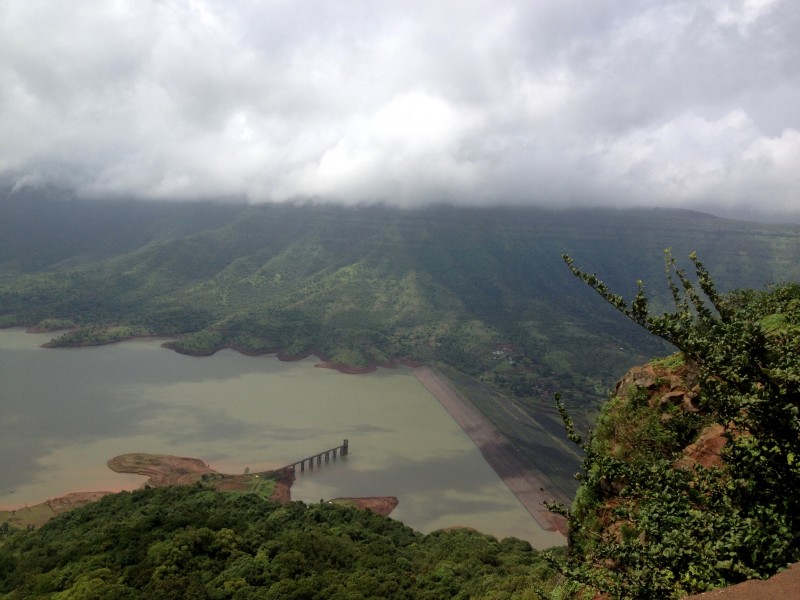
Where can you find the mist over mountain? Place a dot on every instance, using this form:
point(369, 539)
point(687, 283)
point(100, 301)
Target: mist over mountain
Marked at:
point(395, 183)
point(391, 183)
point(677, 104)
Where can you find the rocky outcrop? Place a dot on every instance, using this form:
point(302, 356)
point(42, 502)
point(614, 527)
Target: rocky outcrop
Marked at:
point(706, 451)
point(646, 400)
point(665, 386)
point(783, 586)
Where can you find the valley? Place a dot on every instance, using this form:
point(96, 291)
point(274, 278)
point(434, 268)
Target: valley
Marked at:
point(480, 294)
point(479, 302)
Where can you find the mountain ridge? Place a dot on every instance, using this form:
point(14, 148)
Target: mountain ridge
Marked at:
point(481, 290)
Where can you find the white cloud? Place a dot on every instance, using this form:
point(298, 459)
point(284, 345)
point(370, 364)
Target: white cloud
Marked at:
point(677, 102)
point(682, 159)
point(742, 13)
point(407, 150)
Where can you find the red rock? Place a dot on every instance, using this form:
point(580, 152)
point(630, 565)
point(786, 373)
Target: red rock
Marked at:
point(706, 451)
point(783, 586)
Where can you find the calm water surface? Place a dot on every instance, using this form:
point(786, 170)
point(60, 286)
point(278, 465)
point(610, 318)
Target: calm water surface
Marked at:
point(65, 412)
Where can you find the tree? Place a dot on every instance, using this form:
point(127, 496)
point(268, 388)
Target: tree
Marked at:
point(679, 531)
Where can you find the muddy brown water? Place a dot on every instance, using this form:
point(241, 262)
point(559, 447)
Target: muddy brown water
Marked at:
point(64, 412)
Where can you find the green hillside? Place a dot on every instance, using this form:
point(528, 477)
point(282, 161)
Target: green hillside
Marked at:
point(483, 291)
point(486, 295)
point(654, 518)
point(192, 542)
point(690, 477)
point(368, 285)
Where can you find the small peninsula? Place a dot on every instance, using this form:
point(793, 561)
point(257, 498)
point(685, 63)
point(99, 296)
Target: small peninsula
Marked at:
point(163, 470)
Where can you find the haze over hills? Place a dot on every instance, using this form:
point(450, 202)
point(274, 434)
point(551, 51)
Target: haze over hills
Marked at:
point(482, 291)
point(337, 179)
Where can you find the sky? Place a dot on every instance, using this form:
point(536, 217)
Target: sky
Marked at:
point(670, 103)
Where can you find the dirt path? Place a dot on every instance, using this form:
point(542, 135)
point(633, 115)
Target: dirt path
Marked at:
point(530, 487)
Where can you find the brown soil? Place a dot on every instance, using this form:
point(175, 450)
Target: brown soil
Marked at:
point(380, 505)
point(283, 487)
point(406, 362)
point(74, 500)
point(706, 451)
point(528, 486)
point(326, 364)
point(784, 585)
point(162, 469)
point(39, 514)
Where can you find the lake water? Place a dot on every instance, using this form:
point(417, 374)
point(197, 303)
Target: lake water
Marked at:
point(65, 412)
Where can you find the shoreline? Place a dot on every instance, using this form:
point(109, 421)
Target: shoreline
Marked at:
point(528, 486)
point(164, 470)
point(170, 343)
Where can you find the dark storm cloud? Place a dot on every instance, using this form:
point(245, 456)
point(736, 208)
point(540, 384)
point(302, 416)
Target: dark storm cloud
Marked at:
point(676, 103)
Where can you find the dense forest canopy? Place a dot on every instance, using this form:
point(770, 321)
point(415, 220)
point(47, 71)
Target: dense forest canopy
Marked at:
point(193, 542)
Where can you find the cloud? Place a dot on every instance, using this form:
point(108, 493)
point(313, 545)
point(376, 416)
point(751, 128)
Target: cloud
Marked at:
point(408, 149)
point(677, 103)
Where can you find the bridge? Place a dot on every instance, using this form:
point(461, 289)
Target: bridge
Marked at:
point(342, 450)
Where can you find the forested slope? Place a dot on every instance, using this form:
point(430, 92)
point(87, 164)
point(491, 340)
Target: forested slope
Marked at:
point(193, 542)
point(481, 290)
point(485, 292)
point(368, 285)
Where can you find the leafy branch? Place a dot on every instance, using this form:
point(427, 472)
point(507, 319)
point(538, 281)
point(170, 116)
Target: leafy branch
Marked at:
point(641, 528)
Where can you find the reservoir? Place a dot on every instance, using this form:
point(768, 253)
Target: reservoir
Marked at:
point(65, 412)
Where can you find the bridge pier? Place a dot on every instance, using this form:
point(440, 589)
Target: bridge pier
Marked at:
point(342, 450)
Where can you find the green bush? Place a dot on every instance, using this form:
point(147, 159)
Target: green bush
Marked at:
point(642, 528)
